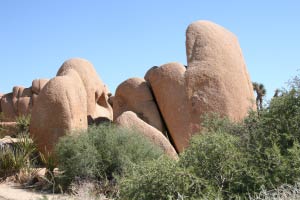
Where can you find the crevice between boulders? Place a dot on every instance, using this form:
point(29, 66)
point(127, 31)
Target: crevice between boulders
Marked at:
point(167, 134)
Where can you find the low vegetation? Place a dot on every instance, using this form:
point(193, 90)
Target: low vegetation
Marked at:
point(258, 158)
point(103, 154)
point(232, 160)
point(17, 156)
point(23, 123)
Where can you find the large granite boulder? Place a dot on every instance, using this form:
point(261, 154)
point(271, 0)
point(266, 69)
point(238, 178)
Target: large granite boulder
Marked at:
point(216, 80)
point(60, 109)
point(67, 102)
point(135, 95)
point(96, 91)
point(130, 120)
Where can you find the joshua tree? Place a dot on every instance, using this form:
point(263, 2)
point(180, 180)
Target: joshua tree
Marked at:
point(260, 93)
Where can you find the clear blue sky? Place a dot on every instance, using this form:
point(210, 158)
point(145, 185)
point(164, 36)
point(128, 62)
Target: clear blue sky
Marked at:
point(124, 39)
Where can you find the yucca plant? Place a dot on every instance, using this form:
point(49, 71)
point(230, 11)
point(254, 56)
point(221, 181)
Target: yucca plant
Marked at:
point(16, 155)
point(23, 123)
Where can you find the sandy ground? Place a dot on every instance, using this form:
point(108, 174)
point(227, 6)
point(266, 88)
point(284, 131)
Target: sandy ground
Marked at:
point(11, 192)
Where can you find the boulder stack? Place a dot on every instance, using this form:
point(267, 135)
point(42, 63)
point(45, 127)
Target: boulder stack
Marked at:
point(66, 102)
point(167, 106)
point(21, 100)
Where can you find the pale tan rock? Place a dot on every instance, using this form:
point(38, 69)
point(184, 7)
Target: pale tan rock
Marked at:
point(135, 95)
point(38, 84)
point(130, 120)
point(97, 92)
point(60, 108)
point(9, 140)
point(22, 100)
point(8, 108)
point(25, 102)
point(216, 80)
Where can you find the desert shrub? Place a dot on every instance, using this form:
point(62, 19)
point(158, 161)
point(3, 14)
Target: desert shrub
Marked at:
point(163, 179)
point(23, 123)
point(274, 140)
point(102, 153)
point(218, 158)
point(268, 143)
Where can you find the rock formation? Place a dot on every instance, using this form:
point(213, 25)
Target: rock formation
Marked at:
point(37, 86)
point(130, 120)
point(216, 80)
point(96, 91)
point(178, 96)
point(67, 101)
point(135, 95)
point(60, 108)
point(21, 100)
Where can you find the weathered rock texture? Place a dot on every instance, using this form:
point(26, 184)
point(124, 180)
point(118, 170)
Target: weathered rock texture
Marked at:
point(21, 100)
point(135, 95)
point(97, 92)
point(37, 86)
point(216, 80)
point(66, 103)
point(60, 108)
point(130, 120)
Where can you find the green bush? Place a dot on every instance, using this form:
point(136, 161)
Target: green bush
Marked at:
point(218, 158)
point(102, 153)
point(227, 160)
point(234, 159)
point(163, 179)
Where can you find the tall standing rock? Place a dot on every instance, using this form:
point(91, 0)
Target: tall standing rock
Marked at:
point(216, 80)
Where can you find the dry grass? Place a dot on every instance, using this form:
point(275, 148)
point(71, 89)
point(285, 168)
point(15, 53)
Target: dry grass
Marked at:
point(284, 192)
point(86, 190)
